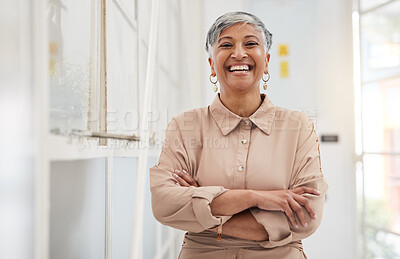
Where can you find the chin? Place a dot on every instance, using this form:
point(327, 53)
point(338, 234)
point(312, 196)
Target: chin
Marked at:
point(241, 88)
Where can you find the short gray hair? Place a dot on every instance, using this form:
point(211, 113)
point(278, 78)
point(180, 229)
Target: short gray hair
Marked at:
point(229, 19)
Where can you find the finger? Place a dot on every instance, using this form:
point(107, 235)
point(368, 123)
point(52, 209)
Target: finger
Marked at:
point(311, 191)
point(193, 181)
point(181, 181)
point(187, 177)
point(291, 217)
point(307, 205)
point(304, 189)
point(299, 211)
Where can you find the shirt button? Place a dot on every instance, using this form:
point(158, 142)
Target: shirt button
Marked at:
point(244, 141)
point(240, 168)
point(246, 122)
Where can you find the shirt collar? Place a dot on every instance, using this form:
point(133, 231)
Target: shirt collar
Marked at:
point(227, 121)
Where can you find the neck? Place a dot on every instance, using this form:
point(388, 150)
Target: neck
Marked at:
point(241, 104)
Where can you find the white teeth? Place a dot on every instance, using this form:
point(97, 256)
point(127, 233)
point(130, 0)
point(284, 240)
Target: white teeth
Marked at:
point(243, 68)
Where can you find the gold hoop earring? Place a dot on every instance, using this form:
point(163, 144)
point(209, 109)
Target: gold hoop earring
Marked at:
point(214, 83)
point(266, 80)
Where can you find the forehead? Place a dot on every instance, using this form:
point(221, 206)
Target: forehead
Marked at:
point(240, 29)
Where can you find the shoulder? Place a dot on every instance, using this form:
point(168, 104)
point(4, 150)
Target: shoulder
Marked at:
point(292, 115)
point(191, 119)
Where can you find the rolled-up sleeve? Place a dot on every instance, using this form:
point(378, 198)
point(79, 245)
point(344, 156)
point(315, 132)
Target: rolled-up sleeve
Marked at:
point(185, 208)
point(306, 172)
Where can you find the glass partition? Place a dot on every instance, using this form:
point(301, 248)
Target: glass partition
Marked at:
point(124, 196)
point(69, 25)
point(77, 209)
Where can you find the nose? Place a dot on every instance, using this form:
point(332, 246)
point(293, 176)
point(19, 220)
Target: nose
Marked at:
point(239, 52)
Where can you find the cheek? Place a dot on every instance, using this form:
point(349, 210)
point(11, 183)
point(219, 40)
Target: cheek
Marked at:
point(220, 59)
point(219, 66)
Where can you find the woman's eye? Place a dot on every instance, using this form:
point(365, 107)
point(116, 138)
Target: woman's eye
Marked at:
point(251, 43)
point(224, 45)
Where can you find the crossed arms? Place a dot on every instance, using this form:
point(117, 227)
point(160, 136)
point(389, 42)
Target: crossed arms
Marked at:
point(242, 224)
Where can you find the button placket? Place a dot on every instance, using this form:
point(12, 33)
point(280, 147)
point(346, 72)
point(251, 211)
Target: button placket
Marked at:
point(242, 153)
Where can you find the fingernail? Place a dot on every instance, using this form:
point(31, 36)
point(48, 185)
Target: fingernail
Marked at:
point(297, 226)
point(177, 171)
point(174, 175)
point(177, 184)
point(184, 171)
point(315, 216)
point(305, 225)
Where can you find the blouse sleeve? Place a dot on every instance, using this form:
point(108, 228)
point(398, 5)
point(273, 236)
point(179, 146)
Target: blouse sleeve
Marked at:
point(185, 208)
point(306, 172)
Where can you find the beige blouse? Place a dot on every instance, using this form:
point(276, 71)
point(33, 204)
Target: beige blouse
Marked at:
point(273, 149)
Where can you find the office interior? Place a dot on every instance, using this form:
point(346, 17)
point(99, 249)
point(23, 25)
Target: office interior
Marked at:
point(88, 87)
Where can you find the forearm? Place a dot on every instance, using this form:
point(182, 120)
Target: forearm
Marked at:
point(232, 202)
point(243, 225)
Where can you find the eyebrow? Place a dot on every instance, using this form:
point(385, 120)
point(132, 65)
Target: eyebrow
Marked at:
point(247, 36)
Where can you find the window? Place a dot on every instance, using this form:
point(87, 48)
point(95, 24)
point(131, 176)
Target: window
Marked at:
point(378, 169)
point(78, 58)
point(70, 63)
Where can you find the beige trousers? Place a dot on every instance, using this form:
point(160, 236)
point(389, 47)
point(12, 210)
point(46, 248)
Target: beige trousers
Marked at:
point(205, 246)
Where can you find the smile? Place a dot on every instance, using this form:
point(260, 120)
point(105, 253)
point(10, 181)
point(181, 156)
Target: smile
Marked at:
point(240, 68)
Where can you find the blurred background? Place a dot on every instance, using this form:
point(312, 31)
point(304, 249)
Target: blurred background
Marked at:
point(87, 88)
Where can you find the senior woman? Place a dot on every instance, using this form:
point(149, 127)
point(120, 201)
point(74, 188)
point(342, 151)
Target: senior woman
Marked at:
point(242, 175)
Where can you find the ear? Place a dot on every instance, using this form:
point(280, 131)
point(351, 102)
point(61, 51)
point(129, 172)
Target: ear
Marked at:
point(212, 67)
point(266, 62)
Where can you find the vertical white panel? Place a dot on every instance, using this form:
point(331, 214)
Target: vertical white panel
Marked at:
point(137, 245)
point(40, 95)
point(17, 164)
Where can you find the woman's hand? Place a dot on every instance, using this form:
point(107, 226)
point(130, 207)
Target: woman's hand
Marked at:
point(289, 201)
point(184, 179)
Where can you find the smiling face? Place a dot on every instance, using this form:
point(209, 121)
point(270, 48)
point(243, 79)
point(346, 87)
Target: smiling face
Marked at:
point(239, 59)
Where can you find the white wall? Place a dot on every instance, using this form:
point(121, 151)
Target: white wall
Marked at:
point(320, 83)
point(17, 142)
point(336, 115)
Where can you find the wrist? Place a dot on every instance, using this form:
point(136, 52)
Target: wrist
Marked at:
point(252, 197)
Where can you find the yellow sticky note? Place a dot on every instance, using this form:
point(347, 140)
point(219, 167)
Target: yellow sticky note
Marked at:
point(284, 69)
point(283, 50)
point(53, 48)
